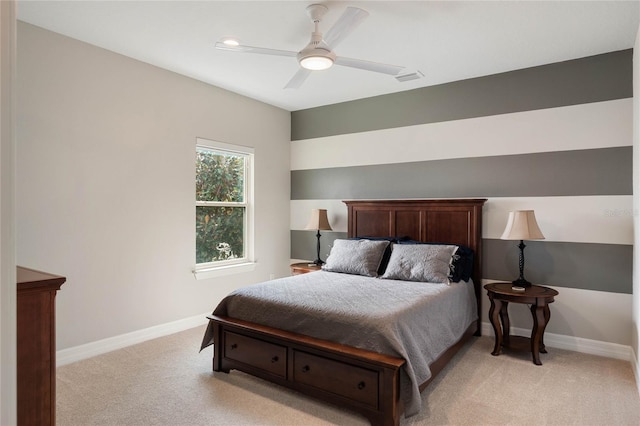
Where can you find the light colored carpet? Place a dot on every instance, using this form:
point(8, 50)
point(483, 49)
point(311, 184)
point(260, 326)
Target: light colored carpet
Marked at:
point(167, 382)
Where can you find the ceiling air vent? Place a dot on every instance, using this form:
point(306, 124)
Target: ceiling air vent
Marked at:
point(410, 76)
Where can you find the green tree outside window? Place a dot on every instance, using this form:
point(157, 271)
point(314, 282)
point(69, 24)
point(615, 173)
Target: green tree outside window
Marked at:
point(220, 205)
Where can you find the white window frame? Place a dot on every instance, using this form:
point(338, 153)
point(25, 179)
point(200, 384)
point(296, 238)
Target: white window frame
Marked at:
point(247, 262)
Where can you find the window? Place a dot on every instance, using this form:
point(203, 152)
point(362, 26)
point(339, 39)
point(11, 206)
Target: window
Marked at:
point(224, 211)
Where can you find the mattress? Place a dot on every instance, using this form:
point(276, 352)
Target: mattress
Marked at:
point(416, 321)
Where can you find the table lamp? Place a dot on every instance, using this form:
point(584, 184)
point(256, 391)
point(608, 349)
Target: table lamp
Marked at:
point(318, 222)
point(522, 225)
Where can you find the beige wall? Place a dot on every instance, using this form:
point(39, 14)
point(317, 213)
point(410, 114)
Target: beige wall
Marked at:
point(7, 219)
point(105, 184)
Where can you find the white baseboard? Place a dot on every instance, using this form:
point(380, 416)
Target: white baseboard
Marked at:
point(77, 353)
point(577, 344)
point(634, 365)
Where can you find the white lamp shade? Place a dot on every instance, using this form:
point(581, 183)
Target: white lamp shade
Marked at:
point(522, 225)
point(319, 220)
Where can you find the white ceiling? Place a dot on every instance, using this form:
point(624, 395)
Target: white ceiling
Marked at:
point(445, 40)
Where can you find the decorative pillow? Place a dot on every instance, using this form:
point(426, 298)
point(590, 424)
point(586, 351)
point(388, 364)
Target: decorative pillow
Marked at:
point(417, 262)
point(387, 251)
point(358, 257)
point(462, 267)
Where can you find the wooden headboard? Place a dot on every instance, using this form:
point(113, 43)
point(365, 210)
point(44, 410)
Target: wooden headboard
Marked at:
point(455, 221)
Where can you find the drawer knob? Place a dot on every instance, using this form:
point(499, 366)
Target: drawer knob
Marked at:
point(274, 359)
point(234, 346)
point(361, 385)
point(306, 368)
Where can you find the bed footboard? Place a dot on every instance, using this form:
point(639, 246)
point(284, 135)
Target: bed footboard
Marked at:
point(359, 380)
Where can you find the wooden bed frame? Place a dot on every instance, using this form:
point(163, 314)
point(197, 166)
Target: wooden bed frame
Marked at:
point(352, 378)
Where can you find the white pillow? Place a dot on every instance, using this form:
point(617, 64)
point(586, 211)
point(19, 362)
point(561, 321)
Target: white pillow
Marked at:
point(358, 257)
point(417, 262)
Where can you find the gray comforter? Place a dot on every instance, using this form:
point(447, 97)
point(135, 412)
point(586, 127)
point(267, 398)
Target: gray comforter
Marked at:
point(412, 320)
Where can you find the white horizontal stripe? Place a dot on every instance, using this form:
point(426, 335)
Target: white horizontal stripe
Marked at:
point(586, 126)
point(584, 219)
point(585, 314)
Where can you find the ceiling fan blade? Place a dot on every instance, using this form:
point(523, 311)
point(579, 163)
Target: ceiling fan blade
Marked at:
point(369, 66)
point(253, 49)
point(350, 19)
point(298, 78)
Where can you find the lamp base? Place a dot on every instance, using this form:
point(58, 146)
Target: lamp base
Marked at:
point(521, 282)
point(318, 261)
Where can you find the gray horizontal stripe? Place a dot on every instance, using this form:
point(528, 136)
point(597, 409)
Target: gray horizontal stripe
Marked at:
point(591, 79)
point(606, 171)
point(303, 244)
point(600, 267)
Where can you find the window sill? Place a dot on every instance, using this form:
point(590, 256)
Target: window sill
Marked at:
point(220, 271)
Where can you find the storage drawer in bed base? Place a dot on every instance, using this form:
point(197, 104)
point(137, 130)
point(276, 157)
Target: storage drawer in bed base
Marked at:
point(366, 382)
point(255, 353)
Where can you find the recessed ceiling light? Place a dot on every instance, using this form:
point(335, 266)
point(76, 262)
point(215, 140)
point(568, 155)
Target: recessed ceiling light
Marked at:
point(230, 41)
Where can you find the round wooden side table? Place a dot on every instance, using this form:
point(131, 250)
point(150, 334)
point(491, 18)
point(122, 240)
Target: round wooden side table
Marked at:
point(303, 268)
point(539, 297)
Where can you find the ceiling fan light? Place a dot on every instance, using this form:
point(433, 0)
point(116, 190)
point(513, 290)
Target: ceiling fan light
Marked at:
point(316, 63)
point(316, 58)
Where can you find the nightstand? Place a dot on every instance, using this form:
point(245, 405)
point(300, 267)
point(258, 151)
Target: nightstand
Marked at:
point(539, 297)
point(303, 268)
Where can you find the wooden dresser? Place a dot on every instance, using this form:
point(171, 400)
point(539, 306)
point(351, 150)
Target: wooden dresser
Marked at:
point(36, 344)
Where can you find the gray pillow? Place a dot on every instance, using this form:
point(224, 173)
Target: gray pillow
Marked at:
point(428, 263)
point(358, 257)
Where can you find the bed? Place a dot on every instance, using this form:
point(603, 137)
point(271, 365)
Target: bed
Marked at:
point(362, 370)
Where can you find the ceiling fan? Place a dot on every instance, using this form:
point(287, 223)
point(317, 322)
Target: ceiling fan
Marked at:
point(319, 54)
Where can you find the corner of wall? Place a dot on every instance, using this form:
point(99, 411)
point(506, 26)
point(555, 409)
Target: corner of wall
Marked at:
point(635, 337)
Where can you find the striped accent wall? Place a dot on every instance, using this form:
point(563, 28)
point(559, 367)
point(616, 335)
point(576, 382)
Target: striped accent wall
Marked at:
point(555, 138)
